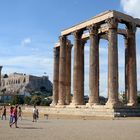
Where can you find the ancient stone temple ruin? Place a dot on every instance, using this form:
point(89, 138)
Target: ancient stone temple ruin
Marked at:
point(105, 26)
point(20, 83)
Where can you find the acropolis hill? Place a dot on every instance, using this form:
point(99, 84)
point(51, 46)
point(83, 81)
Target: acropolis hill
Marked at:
point(20, 83)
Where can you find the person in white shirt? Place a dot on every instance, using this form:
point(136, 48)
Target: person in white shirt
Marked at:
point(34, 114)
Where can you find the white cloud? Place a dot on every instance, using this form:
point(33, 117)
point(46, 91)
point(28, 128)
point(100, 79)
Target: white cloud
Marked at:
point(131, 7)
point(35, 49)
point(31, 64)
point(26, 41)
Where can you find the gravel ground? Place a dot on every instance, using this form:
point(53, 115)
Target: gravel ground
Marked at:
point(122, 129)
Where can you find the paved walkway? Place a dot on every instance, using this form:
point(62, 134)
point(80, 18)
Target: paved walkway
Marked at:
point(71, 130)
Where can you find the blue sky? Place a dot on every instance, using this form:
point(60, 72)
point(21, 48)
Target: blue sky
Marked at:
point(30, 28)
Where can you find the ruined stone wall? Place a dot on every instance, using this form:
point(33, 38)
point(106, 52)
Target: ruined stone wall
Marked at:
point(18, 82)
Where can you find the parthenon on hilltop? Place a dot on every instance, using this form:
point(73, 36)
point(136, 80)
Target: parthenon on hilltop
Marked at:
point(105, 26)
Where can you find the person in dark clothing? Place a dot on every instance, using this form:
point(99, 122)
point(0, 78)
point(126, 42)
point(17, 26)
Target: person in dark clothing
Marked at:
point(3, 113)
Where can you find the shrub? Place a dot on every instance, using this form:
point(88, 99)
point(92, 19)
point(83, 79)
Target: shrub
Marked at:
point(46, 102)
point(36, 100)
point(15, 100)
point(27, 100)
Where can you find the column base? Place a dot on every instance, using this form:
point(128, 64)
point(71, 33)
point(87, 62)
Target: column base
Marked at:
point(113, 104)
point(53, 104)
point(60, 104)
point(91, 104)
point(67, 102)
point(73, 105)
point(77, 103)
point(132, 104)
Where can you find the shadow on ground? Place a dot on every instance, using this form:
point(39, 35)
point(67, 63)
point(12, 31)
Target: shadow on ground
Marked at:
point(29, 128)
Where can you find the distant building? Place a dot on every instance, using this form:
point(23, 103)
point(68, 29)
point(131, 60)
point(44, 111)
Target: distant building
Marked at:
point(19, 83)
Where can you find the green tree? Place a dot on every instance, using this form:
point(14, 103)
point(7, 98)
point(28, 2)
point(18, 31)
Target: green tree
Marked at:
point(27, 100)
point(36, 100)
point(21, 100)
point(46, 102)
point(15, 100)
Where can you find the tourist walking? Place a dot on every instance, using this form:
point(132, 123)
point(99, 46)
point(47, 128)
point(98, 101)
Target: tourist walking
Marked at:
point(37, 114)
point(11, 116)
point(0, 112)
point(3, 113)
point(34, 114)
point(15, 117)
point(19, 113)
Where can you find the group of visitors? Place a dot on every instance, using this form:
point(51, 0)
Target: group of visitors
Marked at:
point(14, 114)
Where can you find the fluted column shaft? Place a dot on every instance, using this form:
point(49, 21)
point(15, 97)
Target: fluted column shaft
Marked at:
point(126, 69)
point(68, 73)
point(132, 72)
point(94, 66)
point(78, 93)
point(62, 71)
point(56, 75)
point(82, 69)
point(112, 63)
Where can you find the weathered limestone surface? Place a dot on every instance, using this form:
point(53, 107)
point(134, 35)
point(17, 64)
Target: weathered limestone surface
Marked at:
point(94, 66)
point(102, 26)
point(21, 83)
point(68, 74)
point(56, 75)
point(126, 69)
point(90, 111)
point(132, 72)
point(82, 69)
point(78, 70)
point(123, 18)
point(112, 63)
point(101, 32)
point(62, 71)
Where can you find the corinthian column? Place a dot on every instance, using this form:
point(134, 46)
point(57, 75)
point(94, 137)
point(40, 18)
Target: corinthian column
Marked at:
point(112, 63)
point(78, 92)
point(56, 76)
point(82, 68)
point(68, 73)
point(132, 72)
point(94, 66)
point(62, 71)
point(126, 69)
